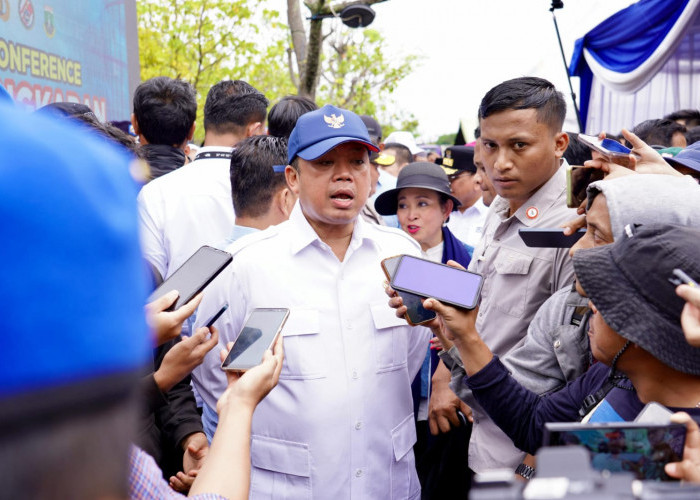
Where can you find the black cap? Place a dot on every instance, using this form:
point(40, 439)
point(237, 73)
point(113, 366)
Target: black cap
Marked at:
point(373, 127)
point(458, 158)
point(420, 174)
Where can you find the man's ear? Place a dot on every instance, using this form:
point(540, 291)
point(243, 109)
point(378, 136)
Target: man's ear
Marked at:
point(561, 143)
point(285, 201)
point(190, 134)
point(135, 124)
point(292, 177)
point(255, 128)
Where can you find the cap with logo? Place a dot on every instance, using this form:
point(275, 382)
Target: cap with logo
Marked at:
point(457, 159)
point(317, 132)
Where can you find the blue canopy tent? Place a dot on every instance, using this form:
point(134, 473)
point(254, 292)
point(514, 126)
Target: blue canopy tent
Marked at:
point(642, 62)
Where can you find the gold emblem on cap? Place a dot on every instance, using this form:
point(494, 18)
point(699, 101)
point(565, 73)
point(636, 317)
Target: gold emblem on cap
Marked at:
point(448, 162)
point(335, 121)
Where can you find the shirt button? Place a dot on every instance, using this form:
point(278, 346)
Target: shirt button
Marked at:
point(355, 375)
point(358, 473)
point(348, 325)
point(358, 425)
point(557, 344)
point(476, 420)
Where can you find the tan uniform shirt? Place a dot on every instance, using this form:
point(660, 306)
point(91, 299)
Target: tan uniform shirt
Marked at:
point(517, 280)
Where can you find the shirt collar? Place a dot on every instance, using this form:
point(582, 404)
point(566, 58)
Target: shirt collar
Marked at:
point(540, 201)
point(304, 235)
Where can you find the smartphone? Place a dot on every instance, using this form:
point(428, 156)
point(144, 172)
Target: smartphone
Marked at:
point(259, 333)
point(194, 275)
point(612, 150)
point(216, 316)
point(642, 449)
point(444, 283)
point(577, 180)
point(416, 313)
point(552, 237)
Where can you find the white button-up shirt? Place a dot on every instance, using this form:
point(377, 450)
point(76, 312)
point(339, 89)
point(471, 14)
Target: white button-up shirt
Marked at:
point(340, 422)
point(468, 226)
point(185, 209)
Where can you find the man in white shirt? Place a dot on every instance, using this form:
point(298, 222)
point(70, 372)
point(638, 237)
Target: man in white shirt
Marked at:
point(192, 206)
point(340, 423)
point(466, 221)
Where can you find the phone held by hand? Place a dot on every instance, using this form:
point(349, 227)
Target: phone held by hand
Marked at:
point(641, 448)
point(416, 313)
point(447, 284)
point(259, 333)
point(194, 275)
point(552, 237)
point(610, 149)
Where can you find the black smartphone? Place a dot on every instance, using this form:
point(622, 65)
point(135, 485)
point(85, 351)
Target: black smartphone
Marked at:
point(577, 180)
point(416, 313)
point(553, 237)
point(444, 283)
point(216, 316)
point(194, 275)
point(259, 333)
point(643, 449)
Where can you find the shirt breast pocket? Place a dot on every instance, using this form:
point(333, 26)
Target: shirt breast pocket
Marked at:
point(390, 338)
point(513, 274)
point(303, 347)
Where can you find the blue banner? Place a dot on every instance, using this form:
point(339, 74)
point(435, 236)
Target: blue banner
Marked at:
point(63, 50)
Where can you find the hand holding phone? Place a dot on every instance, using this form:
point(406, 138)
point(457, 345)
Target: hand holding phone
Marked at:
point(259, 333)
point(611, 150)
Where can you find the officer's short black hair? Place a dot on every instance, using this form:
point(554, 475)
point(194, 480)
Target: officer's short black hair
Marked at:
point(527, 93)
point(165, 110)
point(233, 104)
point(284, 115)
point(253, 180)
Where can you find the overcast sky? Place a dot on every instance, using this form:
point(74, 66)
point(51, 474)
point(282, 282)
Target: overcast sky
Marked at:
point(468, 46)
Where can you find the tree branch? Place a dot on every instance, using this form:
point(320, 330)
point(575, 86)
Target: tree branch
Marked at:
point(296, 28)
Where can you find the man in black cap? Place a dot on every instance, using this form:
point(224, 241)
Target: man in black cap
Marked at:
point(467, 220)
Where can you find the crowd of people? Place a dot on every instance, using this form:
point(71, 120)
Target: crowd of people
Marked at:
point(127, 399)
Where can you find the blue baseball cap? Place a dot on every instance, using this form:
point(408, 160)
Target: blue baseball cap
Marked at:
point(317, 132)
point(74, 282)
point(688, 157)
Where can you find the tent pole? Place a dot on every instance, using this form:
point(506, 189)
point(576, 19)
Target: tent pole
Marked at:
point(558, 5)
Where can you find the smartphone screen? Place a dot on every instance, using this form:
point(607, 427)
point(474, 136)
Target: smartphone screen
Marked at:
point(430, 279)
point(416, 313)
point(549, 237)
point(637, 448)
point(194, 275)
point(258, 334)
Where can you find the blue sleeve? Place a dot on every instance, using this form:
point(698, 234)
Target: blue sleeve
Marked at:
point(521, 413)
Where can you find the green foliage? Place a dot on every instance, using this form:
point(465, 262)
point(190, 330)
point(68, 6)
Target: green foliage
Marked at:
point(206, 41)
point(356, 75)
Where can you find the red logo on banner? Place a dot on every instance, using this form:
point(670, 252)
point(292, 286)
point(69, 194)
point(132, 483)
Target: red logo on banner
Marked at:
point(26, 13)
